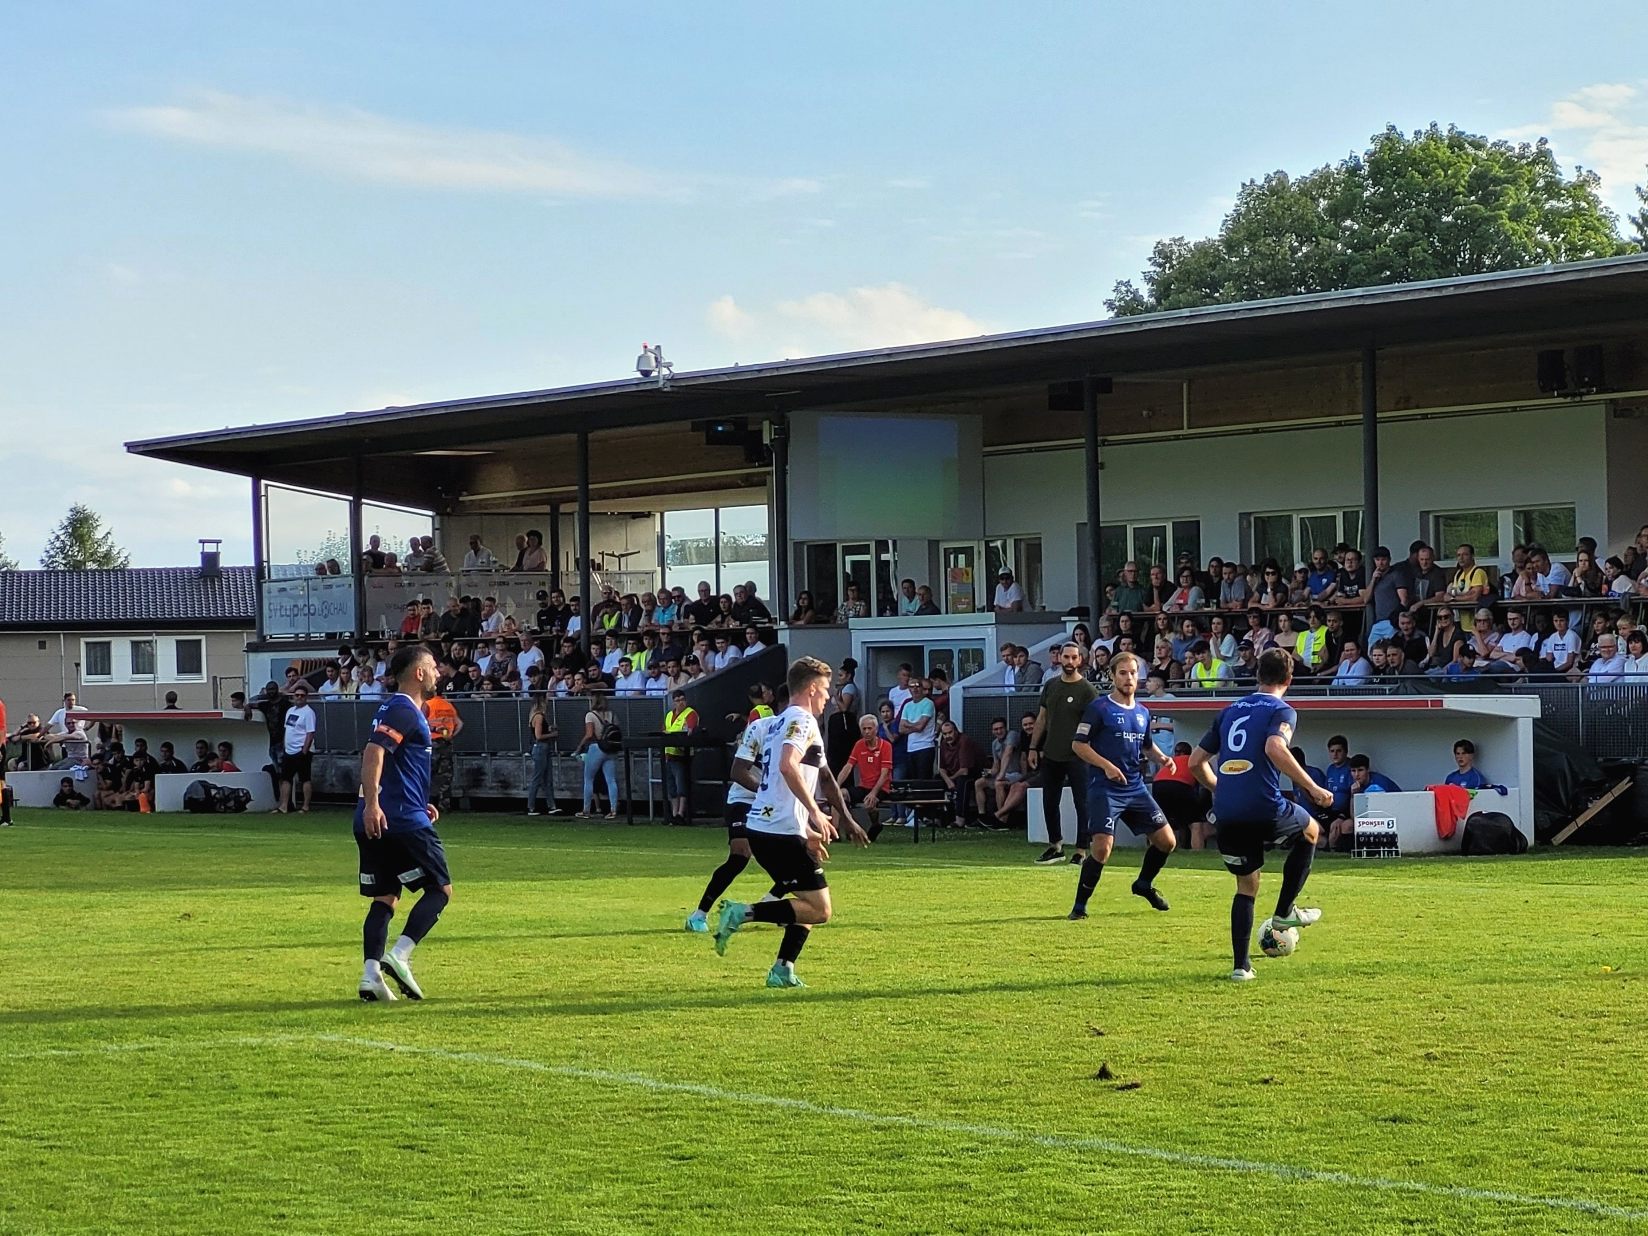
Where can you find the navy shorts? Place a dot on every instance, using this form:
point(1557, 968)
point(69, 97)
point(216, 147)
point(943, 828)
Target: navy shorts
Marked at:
point(1108, 806)
point(1242, 843)
point(735, 815)
point(414, 859)
point(785, 858)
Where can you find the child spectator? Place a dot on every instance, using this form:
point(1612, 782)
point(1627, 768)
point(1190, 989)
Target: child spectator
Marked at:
point(68, 798)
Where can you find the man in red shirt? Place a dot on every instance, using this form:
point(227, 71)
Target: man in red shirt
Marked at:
point(872, 759)
point(1181, 799)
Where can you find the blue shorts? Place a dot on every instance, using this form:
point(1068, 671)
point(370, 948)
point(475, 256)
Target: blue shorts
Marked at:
point(1242, 843)
point(413, 859)
point(1107, 805)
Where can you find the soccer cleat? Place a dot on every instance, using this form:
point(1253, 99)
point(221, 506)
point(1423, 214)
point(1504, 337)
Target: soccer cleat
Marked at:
point(400, 969)
point(1076, 912)
point(1242, 976)
point(376, 991)
point(1052, 854)
point(698, 923)
point(1301, 916)
point(1077, 858)
point(532, 815)
point(734, 914)
point(1149, 893)
point(782, 975)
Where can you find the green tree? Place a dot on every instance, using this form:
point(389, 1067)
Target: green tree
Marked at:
point(1434, 205)
point(81, 543)
point(7, 562)
point(1640, 220)
point(332, 545)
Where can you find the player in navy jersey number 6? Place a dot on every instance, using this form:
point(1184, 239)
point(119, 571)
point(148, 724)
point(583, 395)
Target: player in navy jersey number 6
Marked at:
point(1251, 741)
point(395, 827)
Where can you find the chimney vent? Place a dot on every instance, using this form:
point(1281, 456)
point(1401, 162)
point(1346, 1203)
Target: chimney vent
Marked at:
point(211, 558)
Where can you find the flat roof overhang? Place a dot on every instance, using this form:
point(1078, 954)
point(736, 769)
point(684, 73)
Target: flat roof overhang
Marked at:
point(641, 435)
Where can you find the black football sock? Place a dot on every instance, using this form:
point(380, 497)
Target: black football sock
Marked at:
point(1154, 861)
point(1295, 871)
point(781, 912)
point(795, 935)
point(1091, 870)
point(5, 804)
point(425, 913)
point(1241, 930)
point(375, 934)
point(874, 830)
point(721, 880)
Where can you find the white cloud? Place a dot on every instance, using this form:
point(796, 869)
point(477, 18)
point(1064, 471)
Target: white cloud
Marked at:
point(864, 317)
point(1603, 127)
point(728, 320)
point(362, 145)
point(909, 183)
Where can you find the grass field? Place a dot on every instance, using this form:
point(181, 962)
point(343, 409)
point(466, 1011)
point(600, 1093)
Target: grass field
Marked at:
point(1457, 1046)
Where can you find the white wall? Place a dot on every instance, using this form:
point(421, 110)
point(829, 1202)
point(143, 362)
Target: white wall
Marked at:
point(1627, 479)
point(1488, 460)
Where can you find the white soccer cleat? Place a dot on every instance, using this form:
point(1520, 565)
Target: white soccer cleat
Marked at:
point(1242, 976)
point(1301, 916)
point(376, 991)
point(400, 969)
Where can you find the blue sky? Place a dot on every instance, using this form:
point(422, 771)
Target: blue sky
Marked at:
point(220, 214)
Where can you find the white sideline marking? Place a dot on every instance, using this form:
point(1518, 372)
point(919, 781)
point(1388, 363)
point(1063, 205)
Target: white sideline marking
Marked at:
point(984, 1132)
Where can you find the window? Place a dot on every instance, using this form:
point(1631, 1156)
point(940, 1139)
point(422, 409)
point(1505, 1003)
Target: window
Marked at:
point(1289, 536)
point(1159, 542)
point(1022, 556)
point(832, 565)
point(97, 656)
point(191, 658)
point(143, 658)
point(1494, 532)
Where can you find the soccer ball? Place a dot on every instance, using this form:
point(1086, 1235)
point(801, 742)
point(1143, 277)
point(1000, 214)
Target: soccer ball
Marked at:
point(1277, 941)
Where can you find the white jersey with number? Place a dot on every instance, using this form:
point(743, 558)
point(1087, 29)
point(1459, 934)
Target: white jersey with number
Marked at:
point(776, 808)
point(751, 743)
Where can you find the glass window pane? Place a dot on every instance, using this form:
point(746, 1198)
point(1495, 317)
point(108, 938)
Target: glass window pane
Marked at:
point(143, 658)
point(855, 568)
point(1150, 547)
point(1112, 551)
point(744, 550)
point(959, 594)
point(689, 550)
point(969, 661)
point(1478, 528)
point(1029, 571)
point(886, 598)
point(1187, 539)
point(190, 661)
point(1273, 538)
point(99, 662)
point(822, 558)
point(395, 526)
point(1351, 529)
point(304, 529)
point(1316, 531)
point(1552, 526)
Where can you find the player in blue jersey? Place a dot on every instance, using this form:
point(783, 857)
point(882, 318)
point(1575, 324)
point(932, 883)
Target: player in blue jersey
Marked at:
point(1250, 741)
point(395, 827)
point(1113, 737)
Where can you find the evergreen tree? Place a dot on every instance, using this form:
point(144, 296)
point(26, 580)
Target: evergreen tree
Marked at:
point(81, 543)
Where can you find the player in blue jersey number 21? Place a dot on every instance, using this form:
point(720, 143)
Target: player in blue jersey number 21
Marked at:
point(1250, 742)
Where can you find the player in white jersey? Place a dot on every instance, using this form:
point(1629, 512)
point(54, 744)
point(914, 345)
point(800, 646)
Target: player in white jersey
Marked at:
point(742, 784)
point(788, 834)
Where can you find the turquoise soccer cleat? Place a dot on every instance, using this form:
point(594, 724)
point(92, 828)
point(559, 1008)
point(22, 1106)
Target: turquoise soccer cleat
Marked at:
point(698, 923)
point(734, 914)
point(782, 975)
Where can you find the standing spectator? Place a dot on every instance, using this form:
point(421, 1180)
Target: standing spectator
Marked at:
point(1009, 598)
point(541, 784)
point(959, 762)
point(847, 702)
point(1469, 584)
point(680, 719)
point(1427, 582)
point(297, 754)
point(852, 606)
point(533, 557)
point(1387, 595)
point(926, 607)
point(1130, 592)
point(479, 557)
point(1350, 582)
point(1550, 577)
point(1320, 575)
point(433, 559)
point(444, 726)
point(908, 602)
point(600, 747)
point(918, 722)
point(1058, 712)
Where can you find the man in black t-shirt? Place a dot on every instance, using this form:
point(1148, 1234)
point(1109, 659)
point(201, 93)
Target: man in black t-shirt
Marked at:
point(1063, 701)
point(169, 763)
point(701, 613)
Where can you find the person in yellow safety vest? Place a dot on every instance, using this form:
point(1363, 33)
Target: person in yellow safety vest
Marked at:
point(638, 656)
point(1207, 670)
point(760, 703)
point(1312, 646)
point(680, 719)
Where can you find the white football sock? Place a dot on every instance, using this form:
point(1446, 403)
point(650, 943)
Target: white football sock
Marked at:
point(371, 973)
point(404, 946)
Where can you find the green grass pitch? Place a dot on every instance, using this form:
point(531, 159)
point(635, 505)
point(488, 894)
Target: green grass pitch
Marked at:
point(1456, 1047)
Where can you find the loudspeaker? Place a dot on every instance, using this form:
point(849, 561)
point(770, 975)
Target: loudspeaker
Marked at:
point(730, 432)
point(1553, 371)
point(1588, 374)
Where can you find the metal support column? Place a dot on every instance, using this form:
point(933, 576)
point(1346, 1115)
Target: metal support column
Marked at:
point(780, 600)
point(1370, 453)
point(357, 541)
point(260, 556)
point(584, 581)
point(554, 545)
point(1090, 441)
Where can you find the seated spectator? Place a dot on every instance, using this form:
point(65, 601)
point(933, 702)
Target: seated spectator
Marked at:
point(1512, 640)
point(803, 614)
point(1272, 592)
point(1463, 665)
point(1320, 575)
point(1187, 596)
point(1163, 661)
point(68, 798)
point(630, 613)
point(1234, 592)
point(1130, 594)
point(1106, 637)
point(926, 607)
point(1609, 665)
point(1258, 632)
point(1616, 583)
point(1298, 588)
point(1363, 780)
point(726, 653)
point(1184, 640)
point(1636, 654)
point(1353, 669)
point(1444, 637)
point(491, 620)
point(1336, 777)
point(225, 755)
point(1244, 670)
point(907, 600)
point(532, 556)
point(868, 772)
point(1098, 671)
point(433, 559)
point(1587, 579)
point(1009, 772)
point(1157, 590)
point(331, 688)
point(202, 750)
point(753, 642)
point(1465, 771)
point(1009, 597)
point(1469, 585)
point(612, 652)
point(1206, 670)
point(168, 762)
point(629, 680)
point(1220, 638)
point(1550, 578)
point(852, 606)
point(1311, 646)
point(748, 607)
point(1561, 648)
point(959, 762)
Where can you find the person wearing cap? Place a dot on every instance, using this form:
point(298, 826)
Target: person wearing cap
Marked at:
point(1009, 596)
